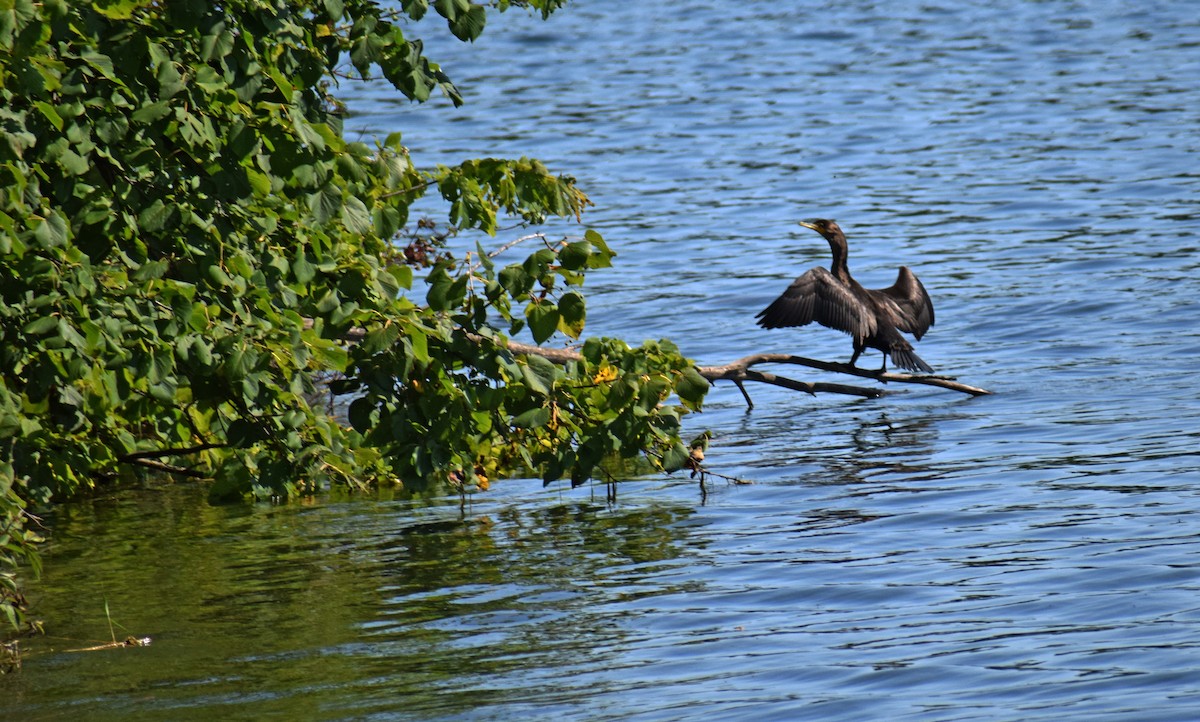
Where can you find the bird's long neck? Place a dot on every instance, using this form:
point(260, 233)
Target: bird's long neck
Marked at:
point(840, 267)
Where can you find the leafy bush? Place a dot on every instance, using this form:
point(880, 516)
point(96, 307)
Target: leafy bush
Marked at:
point(192, 258)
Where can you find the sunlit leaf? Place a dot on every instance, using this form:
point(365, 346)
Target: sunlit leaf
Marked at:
point(602, 256)
point(573, 312)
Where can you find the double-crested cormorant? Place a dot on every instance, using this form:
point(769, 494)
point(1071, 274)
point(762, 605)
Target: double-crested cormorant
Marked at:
point(873, 318)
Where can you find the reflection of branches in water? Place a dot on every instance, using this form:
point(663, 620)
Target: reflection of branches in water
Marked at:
point(861, 448)
point(534, 546)
point(523, 585)
point(873, 435)
point(881, 446)
point(626, 535)
point(820, 520)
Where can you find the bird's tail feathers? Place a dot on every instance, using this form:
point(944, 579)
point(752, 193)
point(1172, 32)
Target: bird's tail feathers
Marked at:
point(905, 358)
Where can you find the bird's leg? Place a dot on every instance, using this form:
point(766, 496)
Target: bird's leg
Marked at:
point(857, 352)
point(883, 368)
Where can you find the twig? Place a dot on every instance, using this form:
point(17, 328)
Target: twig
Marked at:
point(168, 468)
point(411, 189)
point(510, 244)
point(156, 453)
point(127, 642)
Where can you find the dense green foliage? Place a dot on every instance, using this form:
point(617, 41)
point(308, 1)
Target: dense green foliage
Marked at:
point(193, 258)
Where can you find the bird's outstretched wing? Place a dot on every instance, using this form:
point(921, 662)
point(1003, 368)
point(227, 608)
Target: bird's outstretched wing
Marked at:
point(819, 296)
point(909, 302)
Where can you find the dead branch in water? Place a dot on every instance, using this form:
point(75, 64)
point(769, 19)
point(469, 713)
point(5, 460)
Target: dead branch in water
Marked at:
point(739, 371)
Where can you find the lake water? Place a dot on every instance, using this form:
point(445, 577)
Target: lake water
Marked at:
point(1034, 554)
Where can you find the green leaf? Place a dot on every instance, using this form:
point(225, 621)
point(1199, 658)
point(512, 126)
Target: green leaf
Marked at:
point(52, 231)
point(543, 319)
point(573, 312)
point(42, 325)
point(218, 276)
point(533, 418)
point(402, 274)
point(691, 387)
point(674, 457)
point(468, 26)
point(302, 270)
point(156, 216)
point(73, 163)
point(112, 129)
point(574, 256)
point(201, 353)
point(356, 217)
point(484, 259)
point(451, 9)
point(602, 255)
point(359, 414)
point(331, 355)
point(116, 9)
point(334, 9)
point(260, 183)
point(440, 284)
point(381, 338)
point(325, 203)
point(415, 8)
point(420, 345)
point(330, 302)
point(170, 81)
point(50, 113)
point(623, 391)
point(516, 280)
point(540, 374)
point(151, 270)
point(217, 44)
point(149, 113)
point(101, 63)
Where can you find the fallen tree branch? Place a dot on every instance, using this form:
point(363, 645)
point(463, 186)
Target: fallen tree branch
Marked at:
point(168, 468)
point(740, 371)
point(127, 642)
point(737, 373)
point(159, 453)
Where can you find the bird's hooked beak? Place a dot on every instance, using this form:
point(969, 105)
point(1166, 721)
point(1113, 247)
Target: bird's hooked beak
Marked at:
point(811, 223)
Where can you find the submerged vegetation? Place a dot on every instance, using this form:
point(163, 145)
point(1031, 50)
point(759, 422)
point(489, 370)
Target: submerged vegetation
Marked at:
point(193, 259)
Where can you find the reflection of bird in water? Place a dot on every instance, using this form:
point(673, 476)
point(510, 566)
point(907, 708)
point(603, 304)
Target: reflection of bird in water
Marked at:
point(873, 318)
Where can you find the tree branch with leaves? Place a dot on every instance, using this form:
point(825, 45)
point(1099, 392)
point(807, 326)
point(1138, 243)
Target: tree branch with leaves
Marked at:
point(186, 237)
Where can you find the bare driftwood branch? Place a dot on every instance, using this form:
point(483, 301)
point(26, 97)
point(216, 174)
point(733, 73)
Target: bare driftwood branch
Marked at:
point(167, 468)
point(739, 371)
point(159, 453)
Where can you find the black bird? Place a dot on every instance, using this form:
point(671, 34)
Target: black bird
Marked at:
point(873, 318)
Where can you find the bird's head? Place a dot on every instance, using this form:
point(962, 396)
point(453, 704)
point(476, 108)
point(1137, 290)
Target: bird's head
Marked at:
point(826, 227)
